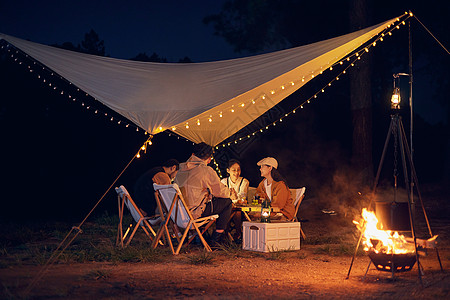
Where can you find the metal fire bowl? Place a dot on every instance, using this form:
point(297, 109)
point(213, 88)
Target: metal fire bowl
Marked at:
point(393, 262)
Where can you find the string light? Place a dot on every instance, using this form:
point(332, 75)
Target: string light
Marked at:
point(42, 72)
point(357, 54)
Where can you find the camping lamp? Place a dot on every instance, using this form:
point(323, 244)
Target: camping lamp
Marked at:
point(395, 99)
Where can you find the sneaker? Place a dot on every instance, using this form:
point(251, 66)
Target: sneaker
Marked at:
point(218, 238)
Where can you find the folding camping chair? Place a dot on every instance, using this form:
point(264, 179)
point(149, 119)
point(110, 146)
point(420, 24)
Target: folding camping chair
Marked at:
point(171, 203)
point(124, 199)
point(298, 195)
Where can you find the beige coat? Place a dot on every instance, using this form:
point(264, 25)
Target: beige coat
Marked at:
point(199, 183)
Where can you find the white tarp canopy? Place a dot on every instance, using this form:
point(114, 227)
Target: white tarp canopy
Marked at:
point(200, 101)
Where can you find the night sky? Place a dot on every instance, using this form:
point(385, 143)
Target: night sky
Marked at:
point(172, 29)
point(56, 148)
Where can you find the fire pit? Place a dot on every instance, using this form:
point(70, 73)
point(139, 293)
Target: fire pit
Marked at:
point(393, 262)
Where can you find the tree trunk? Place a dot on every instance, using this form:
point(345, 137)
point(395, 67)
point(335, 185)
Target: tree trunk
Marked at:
point(361, 100)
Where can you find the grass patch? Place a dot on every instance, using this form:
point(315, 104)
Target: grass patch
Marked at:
point(203, 258)
point(231, 249)
point(97, 274)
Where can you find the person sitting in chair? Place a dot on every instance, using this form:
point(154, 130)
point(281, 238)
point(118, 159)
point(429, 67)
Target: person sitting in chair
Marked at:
point(204, 193)
point(275, 188)
point(144, 194)
point(240, 186)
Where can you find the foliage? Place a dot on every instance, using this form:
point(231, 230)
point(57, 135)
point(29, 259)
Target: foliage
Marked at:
point(90, 45)
point(255, 25)
point(203, 258)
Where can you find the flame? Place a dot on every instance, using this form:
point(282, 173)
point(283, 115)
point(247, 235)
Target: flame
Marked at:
point(384, 241)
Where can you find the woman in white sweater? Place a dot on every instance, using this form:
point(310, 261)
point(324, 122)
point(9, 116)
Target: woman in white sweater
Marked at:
point(240, 185)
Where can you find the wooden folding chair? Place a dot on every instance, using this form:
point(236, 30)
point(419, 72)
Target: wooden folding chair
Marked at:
point(124, 199)
point(173, 207)
point(298, 195)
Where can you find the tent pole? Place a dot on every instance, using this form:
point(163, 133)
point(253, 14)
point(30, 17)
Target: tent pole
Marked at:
point(411, 109)
point(63, 245)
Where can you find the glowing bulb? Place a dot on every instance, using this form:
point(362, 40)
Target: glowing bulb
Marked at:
point(232, 110)
point(337, 78)
point(341, 62)
point(187, 126)
point(263, 97)
point(143, 147)
point(138, 155)
point(210, 120)
point(253, 101)
point(292, 83)
point(374, 44)
point(367, 50)
point(160, 128)
point(343, 72)
point(293, 111)
point(331, 68)
point(198, 122)
point(220, 114)
point(303, 79)
point(282, 87)
point(174, 128)
point(242, 105)
point(150, 142)
point(272, 92)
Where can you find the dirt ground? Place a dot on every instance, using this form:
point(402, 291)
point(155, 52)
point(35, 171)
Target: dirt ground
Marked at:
point(315, 271)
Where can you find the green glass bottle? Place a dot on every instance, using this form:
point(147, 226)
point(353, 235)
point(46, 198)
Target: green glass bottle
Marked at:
point(265, 211)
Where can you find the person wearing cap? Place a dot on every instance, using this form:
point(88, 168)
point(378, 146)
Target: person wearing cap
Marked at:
point(275, 188)
point(205, 194)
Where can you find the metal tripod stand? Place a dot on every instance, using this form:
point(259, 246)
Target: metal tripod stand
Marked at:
point(396, 129)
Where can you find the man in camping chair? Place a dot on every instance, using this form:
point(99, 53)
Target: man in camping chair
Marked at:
point(144, 194)
point(204, 193)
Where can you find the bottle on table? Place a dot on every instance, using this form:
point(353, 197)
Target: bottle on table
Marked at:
point(265, 211)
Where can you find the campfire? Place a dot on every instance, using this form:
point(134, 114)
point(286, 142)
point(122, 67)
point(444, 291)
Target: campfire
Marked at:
point(388, 250)
point(377, 240)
